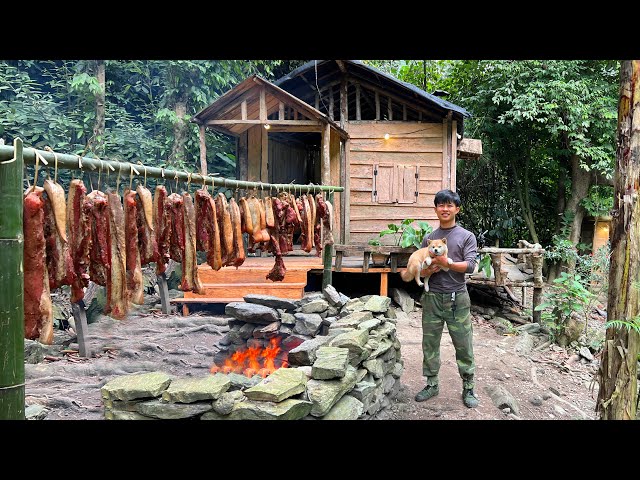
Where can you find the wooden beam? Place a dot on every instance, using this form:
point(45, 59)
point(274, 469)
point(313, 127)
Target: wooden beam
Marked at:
point(453, 140)
point(263, 104)
point(262, 122)
point(203, 151)
point(389, 109)
point(264, 167)
point(346, 196)
point(445, 157)
point(377, 95)
point(296, 128)
point(404, 112)
point(358, 113)
point(384, 282)
point(281, 111)
point(331, 103)
point(341, 66)
point(243, 110)
point(326, 166)
point(317, 104)
point(344, 106)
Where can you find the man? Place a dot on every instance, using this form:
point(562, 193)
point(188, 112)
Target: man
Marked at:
point(447, 300)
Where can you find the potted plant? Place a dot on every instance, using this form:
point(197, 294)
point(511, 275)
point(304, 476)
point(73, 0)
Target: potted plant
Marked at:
point(407, 236)
point(379, 259)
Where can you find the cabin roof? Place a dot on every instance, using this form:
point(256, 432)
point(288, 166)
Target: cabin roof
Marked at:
point(328, 70)
point(226, 112)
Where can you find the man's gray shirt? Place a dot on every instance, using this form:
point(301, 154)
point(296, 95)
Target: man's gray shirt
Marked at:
point(463, 246)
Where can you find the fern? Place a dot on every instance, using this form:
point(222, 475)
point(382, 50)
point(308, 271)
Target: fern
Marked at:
point(634, 324)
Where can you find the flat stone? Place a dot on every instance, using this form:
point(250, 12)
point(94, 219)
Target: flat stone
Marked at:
point(172, 411)
point(377, 303)
point(347, 408)
point(307, 323)
point(305, 353)
point(136, 385)
point(315, 306)
point(189, 390)
point(324, 394)
point(251, 312)
point(280, 385)
point(289, 409)
point(271, 301)
point(331, 362)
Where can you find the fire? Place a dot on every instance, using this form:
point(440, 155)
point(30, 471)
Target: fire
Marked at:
point(253, 360)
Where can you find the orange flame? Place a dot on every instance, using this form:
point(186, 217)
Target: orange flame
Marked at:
point(253, 360)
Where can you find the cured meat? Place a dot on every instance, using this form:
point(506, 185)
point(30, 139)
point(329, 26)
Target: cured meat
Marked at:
point(317, 226)
point(306, 237)
point(79, 238)
point(207, 230)
point(327, 224)
point(147, 244)
point(226, 230)
point(38, 311)
point(190, 278)
point(264, 234)
point(175, 206)
point(254, 210)
point(236, 224)
point(117, 301)
point(59, 262)
point(135, 285)
point(278, 271)
point(247, 222)
point(56, 196)
point(269, 212)
point(96, 211)
point(162, 225)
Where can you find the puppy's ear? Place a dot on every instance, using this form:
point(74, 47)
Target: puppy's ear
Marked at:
point(429, 241)
point(444, 240)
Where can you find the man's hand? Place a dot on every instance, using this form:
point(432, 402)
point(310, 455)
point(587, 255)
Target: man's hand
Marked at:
point(429, 270)
point(440, 261)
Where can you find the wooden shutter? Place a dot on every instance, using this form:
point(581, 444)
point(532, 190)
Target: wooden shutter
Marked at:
point(407, 183)
point(383, 183)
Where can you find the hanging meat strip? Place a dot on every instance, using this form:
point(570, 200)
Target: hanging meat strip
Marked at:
point(96, 211)
point(162, 226)
point(147, 243)
point(190, 278)
point(79, 238)
point(236, 224)
point(117, 301)
point(38, 311)
point(321, 210)
point(226, 230)
point(59, 262)
point(175, 206)
point(327, 224)
point(245, 213)
point(207, 230)
point(135, 283)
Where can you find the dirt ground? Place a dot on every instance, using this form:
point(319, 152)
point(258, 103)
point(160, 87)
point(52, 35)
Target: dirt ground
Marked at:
point(546, 385)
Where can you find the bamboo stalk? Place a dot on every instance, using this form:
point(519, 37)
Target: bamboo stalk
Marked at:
point(11, 288)
point(70, 162)
point(327, 252)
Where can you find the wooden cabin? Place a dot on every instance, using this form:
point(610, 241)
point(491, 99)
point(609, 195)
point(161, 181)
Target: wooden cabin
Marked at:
point(391, 145)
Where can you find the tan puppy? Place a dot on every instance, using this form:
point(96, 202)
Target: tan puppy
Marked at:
point(421, 259)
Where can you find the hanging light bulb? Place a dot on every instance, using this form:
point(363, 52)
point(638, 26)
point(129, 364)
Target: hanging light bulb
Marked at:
point(387, 136)
point(267, 126)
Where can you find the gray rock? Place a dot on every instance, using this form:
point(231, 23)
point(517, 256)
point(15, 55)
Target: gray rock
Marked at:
point(251, 312)
point(310, 297)
point(240, 382)
point(501, 398)
point(524, 345)
point(369, 324)
point(289, 409)
point(382, 347)
point(34, 351)
point(375, 367)
point(136, 385)
point(189, 390)
point(397, 370)
point(245, 332)
point(347, 408)
point(123, 415)
point(387, 383)
point(225, 403)
point(287, 319)
point(172, 411)
point(363, 390)
point(327, 321)
point(35, 412)
point(126, 406)
point(333, 296)
point(352, 320)
point(586, 353)
point(353, 305)
point(269, 331)
point(285, 330)
point(529, 327)
point(331, 362)
point(403, 299)
point(307, 323)
point(392, 314)
point(280, 385)
point(315, 306)
point(536, 400)
point(378, 304)
point(324, 394)
point(305, 353)
point(354, 341)
point(332, 311)
point(271, 301)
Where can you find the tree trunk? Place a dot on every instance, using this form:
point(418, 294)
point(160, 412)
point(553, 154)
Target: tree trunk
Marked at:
point(562, 193)
point(524, 198)
point(617, 395)
point(96, 144)
point(180, 131)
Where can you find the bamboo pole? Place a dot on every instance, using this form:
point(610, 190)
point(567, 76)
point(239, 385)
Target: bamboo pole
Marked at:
point(327, 252)
point(11, 287)
point(70, 162)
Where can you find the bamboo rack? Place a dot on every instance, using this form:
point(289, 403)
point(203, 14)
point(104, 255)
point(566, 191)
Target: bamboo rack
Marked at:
point(12, 160)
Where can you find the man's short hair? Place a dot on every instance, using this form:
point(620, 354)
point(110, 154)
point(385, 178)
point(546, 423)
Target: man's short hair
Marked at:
point(446, 196)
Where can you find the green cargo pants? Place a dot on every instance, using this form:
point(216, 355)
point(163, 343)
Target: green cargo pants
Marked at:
point(438, 308)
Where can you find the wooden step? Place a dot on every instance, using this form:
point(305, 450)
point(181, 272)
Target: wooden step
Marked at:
point(246, 275)
point(239, 290)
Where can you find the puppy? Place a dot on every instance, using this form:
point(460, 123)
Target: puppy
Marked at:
point(421, 259)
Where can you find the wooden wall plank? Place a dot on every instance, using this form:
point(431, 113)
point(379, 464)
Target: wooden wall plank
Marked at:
point(254, 153)
point(325, 171)
point(454, 153)
point(334, 152)
point(397, 145)
point(406, 129)
point(264, 165)
point(445, 156)
point(346, 194)
point(243, 110)
point(426, 159)
point(358, 112)
point(377, 96)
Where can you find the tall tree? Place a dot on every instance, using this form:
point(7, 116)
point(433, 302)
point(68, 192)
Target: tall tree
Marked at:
point(617, 397)
point(96, 142)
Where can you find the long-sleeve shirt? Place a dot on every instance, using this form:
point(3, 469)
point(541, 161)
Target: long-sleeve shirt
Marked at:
point(462, 246)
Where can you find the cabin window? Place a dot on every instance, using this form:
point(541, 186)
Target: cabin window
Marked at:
point(395, 183)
